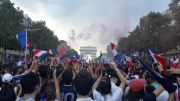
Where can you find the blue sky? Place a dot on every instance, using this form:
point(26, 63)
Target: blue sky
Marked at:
point(98, 22)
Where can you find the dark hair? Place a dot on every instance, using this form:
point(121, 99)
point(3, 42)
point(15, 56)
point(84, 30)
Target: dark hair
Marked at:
point(29, 82)
point(49, 93)
point(83, 83)
point(67, 77)
point(105, 86)
point(149, 89)
point(153, 78)
point(131, 96)
point(42, 73)
point(148, 81)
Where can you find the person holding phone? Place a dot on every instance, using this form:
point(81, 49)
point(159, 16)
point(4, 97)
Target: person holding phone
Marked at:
point(105, 89)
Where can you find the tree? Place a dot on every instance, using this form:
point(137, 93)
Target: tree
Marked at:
point(153, 28)
point(69, 53)
point(10, 23)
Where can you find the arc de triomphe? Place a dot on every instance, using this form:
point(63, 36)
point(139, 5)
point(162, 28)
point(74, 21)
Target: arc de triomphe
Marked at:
point(88, 50)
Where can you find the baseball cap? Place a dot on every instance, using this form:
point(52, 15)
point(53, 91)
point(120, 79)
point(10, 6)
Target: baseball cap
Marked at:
point(7, 78)
point(14, 69)
point(137, 84)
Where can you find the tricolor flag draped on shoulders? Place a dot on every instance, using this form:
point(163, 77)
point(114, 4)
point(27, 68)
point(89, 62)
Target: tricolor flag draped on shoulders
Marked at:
point(116, 55)
point(51, 51)
point(156, 58)
point(169, 86)
point(39, 53)
point(127, 58)
point(176, 62)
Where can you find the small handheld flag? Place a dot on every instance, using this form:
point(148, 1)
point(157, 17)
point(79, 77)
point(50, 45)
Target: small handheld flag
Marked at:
point(157, 58)
point(39, 53)
point(127, 58)
point(116, 55)
point(51, 51)
point(176, 62)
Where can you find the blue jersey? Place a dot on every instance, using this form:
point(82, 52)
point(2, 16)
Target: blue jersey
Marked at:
point(67, 92)
point(17, 78)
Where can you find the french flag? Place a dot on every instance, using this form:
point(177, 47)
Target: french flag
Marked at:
point(116, 55)
point(34, 47)
point(76, 56)
point(127, 58)
point(73, 59)
point(81, 56)
point(51, 51)
point(103, 60)
point(176, 62)
point(39, 53)
point(96, 64)
point(171, 61)
point(29, 44)
point(169, 86)
point(27, 54)
point(156, 58)
point(20, 62)
point(57, 57)
point(22, 37)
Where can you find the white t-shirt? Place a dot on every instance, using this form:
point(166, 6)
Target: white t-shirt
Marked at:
point(113, 87)
point(163, 96)
point(115, 96)
point(126, 91)
point(84, 99)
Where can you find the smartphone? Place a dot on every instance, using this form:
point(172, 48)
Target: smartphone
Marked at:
point(52, 67)
point(103, 72)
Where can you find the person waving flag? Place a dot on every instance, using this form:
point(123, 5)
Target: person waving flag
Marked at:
point(127, 58)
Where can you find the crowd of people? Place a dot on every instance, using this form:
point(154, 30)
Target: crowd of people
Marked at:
point(79, 80)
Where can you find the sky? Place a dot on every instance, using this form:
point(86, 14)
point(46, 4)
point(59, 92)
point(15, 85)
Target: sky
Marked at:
point(90, 22)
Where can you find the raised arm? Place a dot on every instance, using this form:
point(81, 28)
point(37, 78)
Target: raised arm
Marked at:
point(91, 69)
point(97, 83)
point(120, 76)
point(159, 90)
point(32, 65)
point(56, 86)
point(171, 97)
point(144, 74)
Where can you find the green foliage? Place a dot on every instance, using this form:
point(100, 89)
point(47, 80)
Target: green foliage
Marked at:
point(69, 53)
point(153, 28)
point(11, 20)
point(10, 23)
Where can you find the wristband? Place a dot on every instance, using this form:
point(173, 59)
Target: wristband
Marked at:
point(116, 70)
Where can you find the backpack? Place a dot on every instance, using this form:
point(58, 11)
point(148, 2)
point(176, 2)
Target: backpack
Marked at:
point(7, 94)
